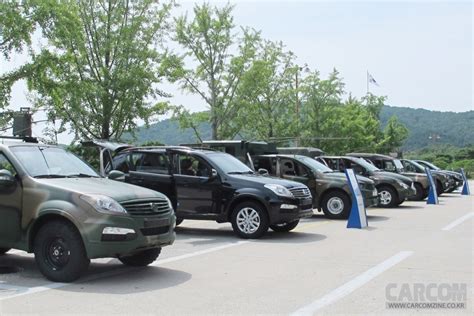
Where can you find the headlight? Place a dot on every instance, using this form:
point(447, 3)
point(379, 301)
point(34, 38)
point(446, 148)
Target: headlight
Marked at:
point(103, 204)
point(279, 190)
point(403, 185)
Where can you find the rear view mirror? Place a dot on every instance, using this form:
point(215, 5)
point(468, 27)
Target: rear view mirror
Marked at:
point(213, 174)
point(116, 175)
point(6, 179)
point(263, 172)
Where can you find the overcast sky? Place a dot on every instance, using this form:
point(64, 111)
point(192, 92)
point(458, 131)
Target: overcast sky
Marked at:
point(420, 52)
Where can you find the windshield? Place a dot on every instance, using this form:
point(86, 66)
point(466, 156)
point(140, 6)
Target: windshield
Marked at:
point(229, 164)
point(313, 164)
point(368, 166)
point(418, 167)
point(398, 165)
point(50, 162)
point(429, 165)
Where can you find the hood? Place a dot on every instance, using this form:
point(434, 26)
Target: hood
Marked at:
point(392, 175)
point(412, 175)
point(456, 175)
point(255, 178)
point(116, 190)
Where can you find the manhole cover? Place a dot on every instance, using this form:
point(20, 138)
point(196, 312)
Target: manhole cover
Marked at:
point(9, 269)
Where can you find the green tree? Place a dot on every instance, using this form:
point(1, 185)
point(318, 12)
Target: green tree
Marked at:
point(105, 62)
point(267, 94)
point(214, 72)
point(394, 134)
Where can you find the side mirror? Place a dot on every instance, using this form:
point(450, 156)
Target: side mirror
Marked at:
point(214, 174)
point(263, 172)
point(116, 175)
point(6, 179)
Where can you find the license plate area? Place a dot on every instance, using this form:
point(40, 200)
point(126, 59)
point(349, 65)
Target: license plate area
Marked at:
point(156, 222)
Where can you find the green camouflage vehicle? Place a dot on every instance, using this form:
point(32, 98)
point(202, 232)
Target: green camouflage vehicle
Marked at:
point(330, 190)
point(56, 206)
point(391, 164)
point(443, 181)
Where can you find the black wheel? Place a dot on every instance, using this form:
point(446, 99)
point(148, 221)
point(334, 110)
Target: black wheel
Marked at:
point(179, 221)
point(142, 258)
point(388, 197)
point(285, 227)
point(420, 193)
point(4, 251)
point(439, 188)
point(59, 252)
point(336, 205)
point(249, 220)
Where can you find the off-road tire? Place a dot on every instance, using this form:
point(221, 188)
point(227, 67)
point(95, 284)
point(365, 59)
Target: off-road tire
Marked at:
point(59, 251)
point(285, 227)
point(336, 205)
point(420, 193)
point(142, 258)
point(179, 221)
point(394, 200)
point(239, 213)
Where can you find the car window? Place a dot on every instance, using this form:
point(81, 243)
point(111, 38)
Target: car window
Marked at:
point(190, 165)
point(388, 165)
point(6, 165)
point(301, 170)
point(267, 163)
point(408, 166)
point(287, 167)
point(121, 163)
point(150, 162)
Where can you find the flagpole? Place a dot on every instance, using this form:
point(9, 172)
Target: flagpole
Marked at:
point(367, 82)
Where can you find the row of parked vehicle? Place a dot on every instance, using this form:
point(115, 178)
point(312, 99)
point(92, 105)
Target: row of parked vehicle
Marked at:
point(58, 207)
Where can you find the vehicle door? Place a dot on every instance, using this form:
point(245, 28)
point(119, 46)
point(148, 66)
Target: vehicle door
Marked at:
point(148, 169)
point(107, 151)
point(294, 170)
point(197, 186)
point(11, 194)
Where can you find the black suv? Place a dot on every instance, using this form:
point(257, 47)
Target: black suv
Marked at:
point(393, 188)
point(211, 185)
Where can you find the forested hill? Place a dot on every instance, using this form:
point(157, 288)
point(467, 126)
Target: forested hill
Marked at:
point(452, 128)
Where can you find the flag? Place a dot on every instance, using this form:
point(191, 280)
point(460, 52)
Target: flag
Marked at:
point(371, 79)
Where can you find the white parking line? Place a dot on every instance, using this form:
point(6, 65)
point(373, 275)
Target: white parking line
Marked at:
point(353, 284)
point(22, 291)
point(458, 221)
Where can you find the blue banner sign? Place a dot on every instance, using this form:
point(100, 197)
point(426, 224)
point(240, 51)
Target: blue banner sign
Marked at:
point(358, 216)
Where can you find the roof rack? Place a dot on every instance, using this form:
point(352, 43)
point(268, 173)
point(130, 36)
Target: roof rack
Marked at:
point(26, 139)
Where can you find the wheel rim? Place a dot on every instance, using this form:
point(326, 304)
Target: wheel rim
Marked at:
point(335, 205)
point(385, 197)
point(248, 220)
point(56, 253)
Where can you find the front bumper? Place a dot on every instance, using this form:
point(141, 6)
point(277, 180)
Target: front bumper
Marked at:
point(150, 232)
point(290, 210)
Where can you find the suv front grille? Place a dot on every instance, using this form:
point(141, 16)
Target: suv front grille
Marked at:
point(301, 193)
point(146, 208)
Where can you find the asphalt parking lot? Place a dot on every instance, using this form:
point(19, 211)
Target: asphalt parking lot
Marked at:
point(320, 267)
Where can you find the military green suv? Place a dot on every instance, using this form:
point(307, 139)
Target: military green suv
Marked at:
point(57, 206)
point(330, 189)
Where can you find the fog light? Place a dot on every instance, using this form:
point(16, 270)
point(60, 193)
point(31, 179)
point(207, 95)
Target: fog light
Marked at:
point(117, 231)
point(288, 206)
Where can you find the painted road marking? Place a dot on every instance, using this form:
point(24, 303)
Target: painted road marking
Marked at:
point(22, 291)
point(353, 284)
point(458, 221)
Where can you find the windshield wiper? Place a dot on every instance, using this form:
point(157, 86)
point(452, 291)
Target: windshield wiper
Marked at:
point(81, 175)
point(50, 176)
point(241, 172)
